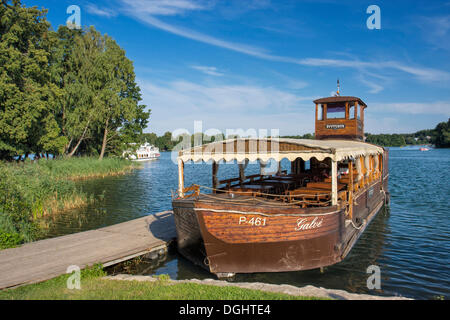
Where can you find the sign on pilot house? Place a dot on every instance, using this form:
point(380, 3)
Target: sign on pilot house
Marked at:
point(335, 126)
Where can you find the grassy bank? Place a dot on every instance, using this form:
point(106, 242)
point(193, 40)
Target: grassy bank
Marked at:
point(31, 190)
point(94, 287)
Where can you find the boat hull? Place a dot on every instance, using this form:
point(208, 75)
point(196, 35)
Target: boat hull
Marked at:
point(238, 239)
point(283, 243)
point(229, 238)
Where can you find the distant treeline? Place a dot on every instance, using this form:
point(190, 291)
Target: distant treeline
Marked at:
point(440, 137)
point(65, 92)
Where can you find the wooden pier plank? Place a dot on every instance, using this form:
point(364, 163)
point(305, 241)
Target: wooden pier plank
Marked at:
point(45, 259)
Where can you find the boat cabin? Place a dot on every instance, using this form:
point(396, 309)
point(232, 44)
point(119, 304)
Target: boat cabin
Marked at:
point(340, 118)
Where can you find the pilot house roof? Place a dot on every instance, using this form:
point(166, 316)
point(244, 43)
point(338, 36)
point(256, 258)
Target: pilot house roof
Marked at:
point(253, 149)
point(340, 99)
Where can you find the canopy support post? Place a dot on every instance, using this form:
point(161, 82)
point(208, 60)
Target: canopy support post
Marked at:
point(180, 178)
point(215, 181)
point(350, 191)
point(242, 167)
point(334, 195)
point(279, 168)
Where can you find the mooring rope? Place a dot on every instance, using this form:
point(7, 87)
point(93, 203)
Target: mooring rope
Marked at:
point(357, 228)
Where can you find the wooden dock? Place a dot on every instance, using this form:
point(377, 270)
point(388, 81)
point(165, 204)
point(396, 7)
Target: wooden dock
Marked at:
point(46, 259)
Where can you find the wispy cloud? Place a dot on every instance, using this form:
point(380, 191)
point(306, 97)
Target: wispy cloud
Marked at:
point(225, 106)
point(103, 12)
point(212, 71)
point(435, 30)
point(232, 106)
point(435, 107)
point(375, 87)
point(147, 10)
point(422, 73)
point(167, 7)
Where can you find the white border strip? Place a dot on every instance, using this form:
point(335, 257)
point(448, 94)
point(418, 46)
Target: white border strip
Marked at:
point(267, 215)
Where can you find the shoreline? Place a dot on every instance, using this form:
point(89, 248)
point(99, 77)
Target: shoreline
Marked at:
point(34, 190)
point(307, 291)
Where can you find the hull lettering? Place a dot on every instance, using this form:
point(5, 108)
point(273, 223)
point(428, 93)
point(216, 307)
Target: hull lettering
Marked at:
point(303, 224)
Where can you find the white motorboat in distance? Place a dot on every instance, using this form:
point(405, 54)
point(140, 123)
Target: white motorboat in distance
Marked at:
point(146, 152)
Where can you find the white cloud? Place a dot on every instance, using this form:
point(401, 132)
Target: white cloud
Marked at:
point(212, 71)
point(165, 7)
point(436, 30)
point(146, 10)
point(437, 107)
point(425, 74)
point(374, 87)
point(179, 103)
point(103, 12)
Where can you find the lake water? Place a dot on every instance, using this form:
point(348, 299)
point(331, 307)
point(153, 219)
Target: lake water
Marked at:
point(409, 241)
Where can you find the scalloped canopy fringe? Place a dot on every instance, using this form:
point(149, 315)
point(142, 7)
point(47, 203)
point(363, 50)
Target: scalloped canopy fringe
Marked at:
point(278, 149)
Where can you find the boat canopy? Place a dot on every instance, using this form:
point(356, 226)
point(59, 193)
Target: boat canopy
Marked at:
point(264, 149)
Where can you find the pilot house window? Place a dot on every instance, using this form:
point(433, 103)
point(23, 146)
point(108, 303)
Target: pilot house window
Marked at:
point(336, 112)
point(351, 112)
point(320, 112)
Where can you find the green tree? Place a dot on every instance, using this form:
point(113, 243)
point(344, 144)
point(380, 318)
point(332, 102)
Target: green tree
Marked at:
point(442, 135)
point(65, 92)
point(117, 94)
point(27, 122)
point(99, 110)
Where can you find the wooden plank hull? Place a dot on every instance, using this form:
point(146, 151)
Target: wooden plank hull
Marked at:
point(268, 241)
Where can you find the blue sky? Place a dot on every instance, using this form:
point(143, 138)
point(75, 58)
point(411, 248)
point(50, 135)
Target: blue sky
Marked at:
point(260, 63)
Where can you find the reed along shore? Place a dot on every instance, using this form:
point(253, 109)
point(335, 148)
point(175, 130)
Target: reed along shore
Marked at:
point(32, 189)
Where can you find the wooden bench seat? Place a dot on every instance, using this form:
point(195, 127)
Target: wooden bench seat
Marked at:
point(324, 185)
point(344, 180)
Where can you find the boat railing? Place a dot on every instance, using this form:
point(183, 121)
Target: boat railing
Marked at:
point(318, 198)
point(192, 191)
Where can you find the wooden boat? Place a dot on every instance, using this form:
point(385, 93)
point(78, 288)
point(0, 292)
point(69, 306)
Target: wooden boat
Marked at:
point(307, 218)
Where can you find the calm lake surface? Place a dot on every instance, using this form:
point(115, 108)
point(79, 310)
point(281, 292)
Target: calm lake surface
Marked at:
point(409, 241)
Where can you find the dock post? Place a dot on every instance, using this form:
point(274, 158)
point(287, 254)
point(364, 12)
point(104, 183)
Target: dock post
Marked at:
point(181, 178)
point(334, 182)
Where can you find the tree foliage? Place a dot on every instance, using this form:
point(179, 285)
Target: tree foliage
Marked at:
point(66, 92)
point(442, 135)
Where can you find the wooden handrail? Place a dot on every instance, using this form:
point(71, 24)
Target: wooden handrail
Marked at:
point(195, 189)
